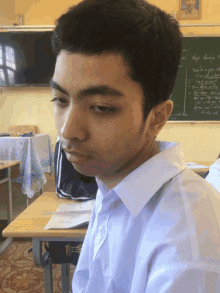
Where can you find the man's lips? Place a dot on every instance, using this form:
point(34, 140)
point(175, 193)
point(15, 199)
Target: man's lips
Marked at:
point(77, 154)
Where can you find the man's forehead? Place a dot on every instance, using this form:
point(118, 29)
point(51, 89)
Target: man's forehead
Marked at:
point(77, 71)
point(104, 59)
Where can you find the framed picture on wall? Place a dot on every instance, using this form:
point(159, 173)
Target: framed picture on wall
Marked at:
point(189, 9)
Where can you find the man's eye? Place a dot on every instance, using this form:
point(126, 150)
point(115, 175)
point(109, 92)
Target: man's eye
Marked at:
point(59, 101)
point(104, 110)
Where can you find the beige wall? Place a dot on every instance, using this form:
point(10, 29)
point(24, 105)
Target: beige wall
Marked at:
point(201, 142)
point(7, 12)
point(42, 11)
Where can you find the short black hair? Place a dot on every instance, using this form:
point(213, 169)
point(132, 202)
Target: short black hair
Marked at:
point(148, 39)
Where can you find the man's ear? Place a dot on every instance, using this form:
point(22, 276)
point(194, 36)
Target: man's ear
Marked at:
point(160, 115)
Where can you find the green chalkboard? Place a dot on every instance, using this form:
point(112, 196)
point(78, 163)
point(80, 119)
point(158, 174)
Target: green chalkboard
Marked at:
point(196, 94)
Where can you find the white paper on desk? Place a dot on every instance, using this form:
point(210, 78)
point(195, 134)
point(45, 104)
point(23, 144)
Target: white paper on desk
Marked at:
point(192, 165)
point(73, 215)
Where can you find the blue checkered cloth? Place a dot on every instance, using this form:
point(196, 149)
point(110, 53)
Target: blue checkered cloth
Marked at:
point(36, 156)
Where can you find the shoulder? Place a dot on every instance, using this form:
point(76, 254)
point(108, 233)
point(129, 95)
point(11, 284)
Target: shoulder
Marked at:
point(186, 226)
point(191, 205)
point(184, 278)
point(193, 188)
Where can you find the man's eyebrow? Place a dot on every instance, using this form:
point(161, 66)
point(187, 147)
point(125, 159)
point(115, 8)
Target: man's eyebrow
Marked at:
point(56, 86)
point(102, 90)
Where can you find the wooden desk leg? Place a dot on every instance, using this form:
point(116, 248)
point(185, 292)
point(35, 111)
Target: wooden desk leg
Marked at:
point(39, 261)
point(37, 252)
point(48, 278)
point(9, 240)
point(65, 275)
point(10, 215)
point(5, 244)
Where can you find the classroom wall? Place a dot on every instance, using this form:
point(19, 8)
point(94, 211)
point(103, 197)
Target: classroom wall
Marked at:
point(201, 142)
point(7, 13)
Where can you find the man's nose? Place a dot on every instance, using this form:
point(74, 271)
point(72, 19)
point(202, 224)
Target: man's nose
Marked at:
point(74, 124)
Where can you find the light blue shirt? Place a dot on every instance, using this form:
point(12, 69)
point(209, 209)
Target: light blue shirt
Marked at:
point(214, 175)
point(157, 231)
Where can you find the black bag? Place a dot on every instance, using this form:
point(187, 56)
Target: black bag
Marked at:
point(69, 182)
point(29, 134)
point(63, 252)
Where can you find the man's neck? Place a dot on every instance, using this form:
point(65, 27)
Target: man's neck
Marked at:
point(132, 165)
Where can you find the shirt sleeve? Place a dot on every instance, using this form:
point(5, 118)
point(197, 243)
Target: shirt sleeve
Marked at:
point(176, 269)
point(187, 280)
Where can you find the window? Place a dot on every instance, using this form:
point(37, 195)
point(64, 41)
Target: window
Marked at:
point(11, 76)
point(10, 57)
point(7, 65)
point(1, 55)
point(2, 77)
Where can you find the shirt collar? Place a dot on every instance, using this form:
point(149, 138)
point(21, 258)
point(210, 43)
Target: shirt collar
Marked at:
point(136, 189)
point(102, 187)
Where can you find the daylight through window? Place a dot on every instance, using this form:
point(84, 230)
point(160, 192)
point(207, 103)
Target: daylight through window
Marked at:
point(7, 65)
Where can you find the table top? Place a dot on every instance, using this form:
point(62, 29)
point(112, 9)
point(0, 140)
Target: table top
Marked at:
point(31, 222)
point(202, 170)
point(16, 136)
point(8, 163)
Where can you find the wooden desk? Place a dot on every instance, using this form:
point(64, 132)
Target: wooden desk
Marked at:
point(31, 223)
point(8, 163)
point(202, 171)
point(5, 177)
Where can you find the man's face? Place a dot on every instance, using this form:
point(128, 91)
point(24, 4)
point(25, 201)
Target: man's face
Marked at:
point(105, 125)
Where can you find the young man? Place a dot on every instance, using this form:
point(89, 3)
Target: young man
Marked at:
point(154, 226)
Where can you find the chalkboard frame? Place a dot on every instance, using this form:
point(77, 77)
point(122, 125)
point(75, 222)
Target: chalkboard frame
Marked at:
point(192, 35)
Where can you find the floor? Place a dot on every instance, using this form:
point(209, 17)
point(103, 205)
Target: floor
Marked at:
point(18, 274)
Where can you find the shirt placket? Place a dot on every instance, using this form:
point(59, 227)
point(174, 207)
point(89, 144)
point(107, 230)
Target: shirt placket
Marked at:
point(100, 237)
point(101, 233)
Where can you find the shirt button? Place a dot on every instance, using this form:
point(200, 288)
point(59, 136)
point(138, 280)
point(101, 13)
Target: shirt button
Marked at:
point(104, 217)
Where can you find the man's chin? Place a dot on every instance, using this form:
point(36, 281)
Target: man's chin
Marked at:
point(84, 171)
